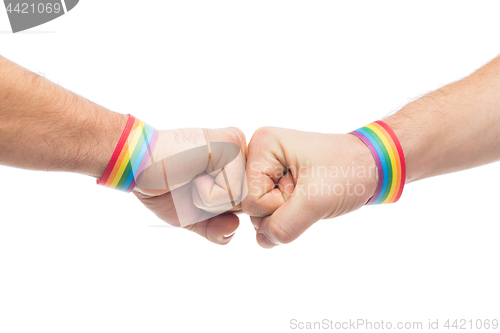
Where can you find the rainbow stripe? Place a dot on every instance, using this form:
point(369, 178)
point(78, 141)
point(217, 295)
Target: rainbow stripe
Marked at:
point(130, 156)
point(390, 160)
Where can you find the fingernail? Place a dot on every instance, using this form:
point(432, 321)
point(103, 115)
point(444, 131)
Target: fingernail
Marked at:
point(230, 235)
point(264, 241)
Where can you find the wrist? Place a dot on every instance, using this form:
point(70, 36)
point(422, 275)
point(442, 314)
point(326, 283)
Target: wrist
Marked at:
point(415, 140)
point(107, 129)
point(130, 156)
point(366, 171)
point(388, 154)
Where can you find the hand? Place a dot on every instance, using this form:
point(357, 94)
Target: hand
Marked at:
point(196, 180)
point(297, 178)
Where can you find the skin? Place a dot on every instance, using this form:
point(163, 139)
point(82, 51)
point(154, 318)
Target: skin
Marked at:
point(453, 128)
point(196, 200)
point(46, 127)
point(292, 185)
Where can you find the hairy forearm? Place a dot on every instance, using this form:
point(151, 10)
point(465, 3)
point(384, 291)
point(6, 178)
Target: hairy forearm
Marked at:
point(46, 127)
point(453, 128)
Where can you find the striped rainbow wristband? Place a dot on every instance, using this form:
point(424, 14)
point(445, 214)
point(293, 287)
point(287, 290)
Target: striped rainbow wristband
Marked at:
point(130, 156)
point(388, 154)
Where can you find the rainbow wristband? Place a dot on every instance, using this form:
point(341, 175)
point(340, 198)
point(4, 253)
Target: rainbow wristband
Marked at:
point(390, 160)
point(130, 156)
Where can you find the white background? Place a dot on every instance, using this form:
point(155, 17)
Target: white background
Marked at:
point(75, 257)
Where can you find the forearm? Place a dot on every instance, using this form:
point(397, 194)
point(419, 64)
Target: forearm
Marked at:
point(453, 128)
point(46, 127)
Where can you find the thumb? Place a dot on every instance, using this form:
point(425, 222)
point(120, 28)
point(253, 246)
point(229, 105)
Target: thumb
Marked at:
point(289, 221)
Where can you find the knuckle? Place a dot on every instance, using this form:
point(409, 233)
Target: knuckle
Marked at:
point(208, 201)
point(252, 208)
point(228, 136)
point(240, 136)
point(248, 206)
point(263, 134)
point(264, 131)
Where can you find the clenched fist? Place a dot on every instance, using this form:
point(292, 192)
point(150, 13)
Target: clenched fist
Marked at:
point(196, 179)
point(297, 178)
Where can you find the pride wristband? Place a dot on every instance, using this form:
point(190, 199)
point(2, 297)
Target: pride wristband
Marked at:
point(130, 156)
point(388, 153)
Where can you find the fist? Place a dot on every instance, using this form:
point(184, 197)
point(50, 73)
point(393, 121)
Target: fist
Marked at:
point(297, 178)
point(195, 179)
